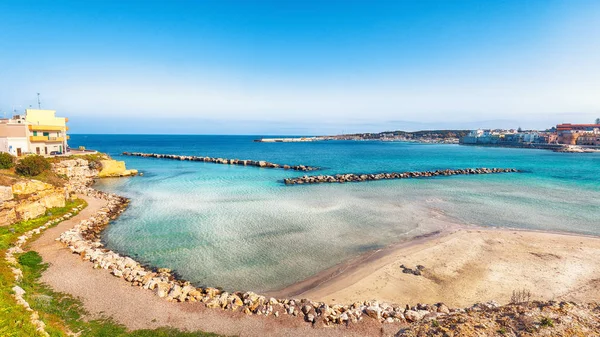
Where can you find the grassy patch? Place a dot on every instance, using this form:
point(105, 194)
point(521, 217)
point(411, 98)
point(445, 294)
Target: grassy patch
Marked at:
point(14, 319)
point(51, 178)
point(62, 312)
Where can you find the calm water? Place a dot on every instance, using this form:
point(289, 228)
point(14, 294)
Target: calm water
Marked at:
point(241, 228)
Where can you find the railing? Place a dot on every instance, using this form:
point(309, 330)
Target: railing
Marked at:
point(38, 138)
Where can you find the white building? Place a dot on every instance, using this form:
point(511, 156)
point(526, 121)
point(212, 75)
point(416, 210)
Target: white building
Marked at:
point(38, 131)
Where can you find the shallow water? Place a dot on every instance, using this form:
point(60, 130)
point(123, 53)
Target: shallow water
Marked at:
point(242, 229)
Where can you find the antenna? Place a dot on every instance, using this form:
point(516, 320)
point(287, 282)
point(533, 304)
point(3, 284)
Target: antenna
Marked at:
point(39, 104)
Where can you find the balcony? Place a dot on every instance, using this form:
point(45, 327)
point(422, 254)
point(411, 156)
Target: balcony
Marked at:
point(38, 138)
point(35, 139)
point(45, 128)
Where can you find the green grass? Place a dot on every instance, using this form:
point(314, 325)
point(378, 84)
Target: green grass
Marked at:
point(60, 312)
point(14, 319)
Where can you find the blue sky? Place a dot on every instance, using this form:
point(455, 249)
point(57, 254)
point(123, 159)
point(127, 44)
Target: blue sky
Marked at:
point(302, 67)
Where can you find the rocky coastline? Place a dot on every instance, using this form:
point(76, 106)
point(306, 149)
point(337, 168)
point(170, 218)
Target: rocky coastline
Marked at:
point(84, 240)
point(352, 177)
point(242, 162)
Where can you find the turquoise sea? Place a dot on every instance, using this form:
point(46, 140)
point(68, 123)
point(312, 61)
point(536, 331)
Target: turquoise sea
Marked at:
point(242, 229)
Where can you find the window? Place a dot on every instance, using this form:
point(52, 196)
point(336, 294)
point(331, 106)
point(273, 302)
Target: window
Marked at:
point(46, 134)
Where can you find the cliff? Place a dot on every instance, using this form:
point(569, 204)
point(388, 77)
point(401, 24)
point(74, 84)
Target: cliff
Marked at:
point(113, 168)
point(27, 199)
point(24, 199)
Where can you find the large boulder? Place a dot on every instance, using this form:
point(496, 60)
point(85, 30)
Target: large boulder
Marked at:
point(413, 316)
point(6, 193)
point(29, 187)
point(113, 168)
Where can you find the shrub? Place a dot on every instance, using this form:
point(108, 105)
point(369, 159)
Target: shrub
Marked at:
point(6, 160)
point(520, 296)
point(547, 322)
point(32, 166)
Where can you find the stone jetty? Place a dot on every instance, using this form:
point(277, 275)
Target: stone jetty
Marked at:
point(352, 177)
point(242, 162)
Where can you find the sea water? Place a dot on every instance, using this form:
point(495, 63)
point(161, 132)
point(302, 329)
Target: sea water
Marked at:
point(241, 228)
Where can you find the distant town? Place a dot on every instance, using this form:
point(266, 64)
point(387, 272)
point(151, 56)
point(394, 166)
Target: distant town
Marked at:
point(564, 137)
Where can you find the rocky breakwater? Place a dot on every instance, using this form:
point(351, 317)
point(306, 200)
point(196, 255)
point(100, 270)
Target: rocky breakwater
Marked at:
point(27, 199)
point(242, 162)
point(352, 177)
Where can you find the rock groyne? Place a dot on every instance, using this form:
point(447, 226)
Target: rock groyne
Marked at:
point(242, 162)
point(352, 177)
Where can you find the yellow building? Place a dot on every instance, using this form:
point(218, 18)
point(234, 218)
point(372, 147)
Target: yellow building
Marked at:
point(47, 133)
point(38, 132)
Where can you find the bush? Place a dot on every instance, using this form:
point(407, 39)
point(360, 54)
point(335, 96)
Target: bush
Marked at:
point(32, 166)
point(547, 322)
point(6, 160)
point(520, 296)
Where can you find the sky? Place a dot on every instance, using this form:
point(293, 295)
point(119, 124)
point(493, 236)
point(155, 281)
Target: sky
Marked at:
point(301, 67)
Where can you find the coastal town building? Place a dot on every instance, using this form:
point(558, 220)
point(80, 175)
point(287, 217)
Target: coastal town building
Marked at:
point(36, 132)
point(570, 133)
point(562, 134)
point(589, 138)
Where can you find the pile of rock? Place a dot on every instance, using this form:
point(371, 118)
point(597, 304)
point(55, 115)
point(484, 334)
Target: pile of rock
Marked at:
point(548, 318)
point(242, 162)
point(351, 177)
point(11, 259)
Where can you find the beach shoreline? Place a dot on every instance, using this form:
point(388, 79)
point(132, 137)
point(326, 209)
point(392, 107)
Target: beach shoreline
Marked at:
point(528, 259)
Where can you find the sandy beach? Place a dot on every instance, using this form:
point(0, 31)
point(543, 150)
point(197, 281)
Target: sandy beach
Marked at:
point(468, 265)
